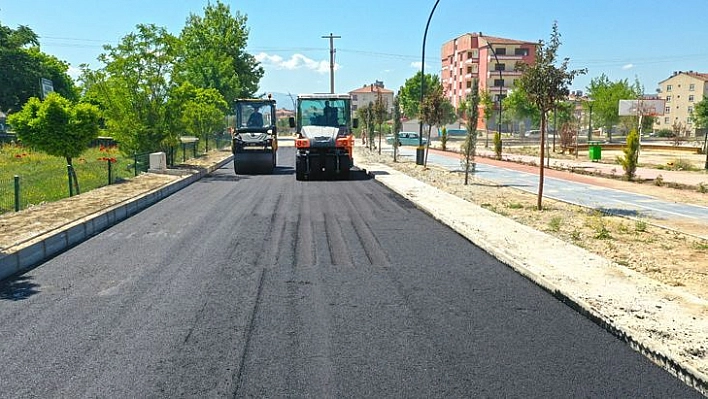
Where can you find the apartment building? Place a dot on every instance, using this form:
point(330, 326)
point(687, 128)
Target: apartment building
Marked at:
point(490, 60)
point(681, 92)
point(368, 93)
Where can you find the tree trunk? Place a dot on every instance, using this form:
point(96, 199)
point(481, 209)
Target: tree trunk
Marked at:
point(72, 177)
point(539, 204)
point(380, 134)
point(427, 147)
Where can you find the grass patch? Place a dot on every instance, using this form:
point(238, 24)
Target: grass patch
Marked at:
point(555, 223)
point(640, 226)
point(515, 205)
point(44, 178)
point(701, 246)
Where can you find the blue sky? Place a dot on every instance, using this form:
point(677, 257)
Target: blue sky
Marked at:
point(382, 40)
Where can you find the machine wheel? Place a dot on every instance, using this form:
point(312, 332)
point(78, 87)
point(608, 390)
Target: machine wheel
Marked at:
point(299, 170)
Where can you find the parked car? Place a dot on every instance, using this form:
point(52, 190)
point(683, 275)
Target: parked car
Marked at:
point(406, 138)
point(532, 133)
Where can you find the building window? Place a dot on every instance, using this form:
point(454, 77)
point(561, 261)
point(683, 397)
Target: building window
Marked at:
point(469, 69)
point(668, 87)
point(690, 110)
point(500, 51)
point(666, 120)
point(500, 67)
point(354, 107)
point(521, 51)
point(498, 82)
point(469, 84)
point(691, 98)
point(354, 98)
point(692, 87)
point(667, 110)
point(668, 99)
point(469, 55)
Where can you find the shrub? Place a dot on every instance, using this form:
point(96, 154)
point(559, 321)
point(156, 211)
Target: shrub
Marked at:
point(497, 145)
point(443, 138)
point(629, 160)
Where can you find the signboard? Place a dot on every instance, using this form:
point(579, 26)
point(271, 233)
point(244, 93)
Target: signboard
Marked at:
point(47, 87)
point(653, 107)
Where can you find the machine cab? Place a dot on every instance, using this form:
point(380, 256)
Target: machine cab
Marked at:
point(254, 115)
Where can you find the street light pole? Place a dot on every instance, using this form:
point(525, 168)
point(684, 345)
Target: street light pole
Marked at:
point(420, 152)
point(501, 86)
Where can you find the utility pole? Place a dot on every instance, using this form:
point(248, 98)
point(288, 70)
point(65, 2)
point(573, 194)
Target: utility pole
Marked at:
point(332, 51)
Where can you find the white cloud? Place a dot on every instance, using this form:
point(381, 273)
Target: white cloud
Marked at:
point(296, 61)
point(417, 64)
point(74, 72)
point(628, 66)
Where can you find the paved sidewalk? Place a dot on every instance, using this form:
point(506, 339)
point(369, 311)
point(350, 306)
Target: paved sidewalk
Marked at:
point(689, 178)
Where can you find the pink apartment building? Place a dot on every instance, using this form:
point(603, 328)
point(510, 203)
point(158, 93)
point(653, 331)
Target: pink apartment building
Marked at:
point(490, 60)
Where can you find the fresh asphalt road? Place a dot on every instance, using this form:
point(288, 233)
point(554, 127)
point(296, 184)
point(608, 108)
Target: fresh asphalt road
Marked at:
point(602, 198)
point(265, 286)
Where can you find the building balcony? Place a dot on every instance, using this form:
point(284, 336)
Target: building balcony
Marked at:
point(506, 57)
point(492, 74)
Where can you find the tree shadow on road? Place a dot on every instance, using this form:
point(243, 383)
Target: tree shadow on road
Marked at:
point(18, 288)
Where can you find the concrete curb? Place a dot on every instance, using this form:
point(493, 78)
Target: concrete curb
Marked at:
point(600, 290)
point(32, 253)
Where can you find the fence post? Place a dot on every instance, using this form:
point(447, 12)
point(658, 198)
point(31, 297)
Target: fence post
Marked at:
point(135, 164)
point(194, 149)
point(110, 172)
point(71, 187)
point(17, 193)
point(184, 151)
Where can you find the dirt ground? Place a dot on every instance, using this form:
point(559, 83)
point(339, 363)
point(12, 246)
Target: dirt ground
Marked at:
point(671, 254)
point(666, 254)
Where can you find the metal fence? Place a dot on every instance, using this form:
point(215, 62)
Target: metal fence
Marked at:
point(39, 186)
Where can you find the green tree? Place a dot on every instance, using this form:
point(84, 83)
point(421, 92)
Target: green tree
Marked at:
point(630, 159)
point(471, 112)
point(213, 50)
point(519, 108)
point(410, 93)
point(700, 116)
point(487, 104)
point(23, 64)
point(366, 115)
point(133, 89)
point(203, 114)
point(432, 113)
point(605, 96)
point(443, 138)
point(397, 126)
point(57, 127)
point(545, 83)
point(380, 113)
